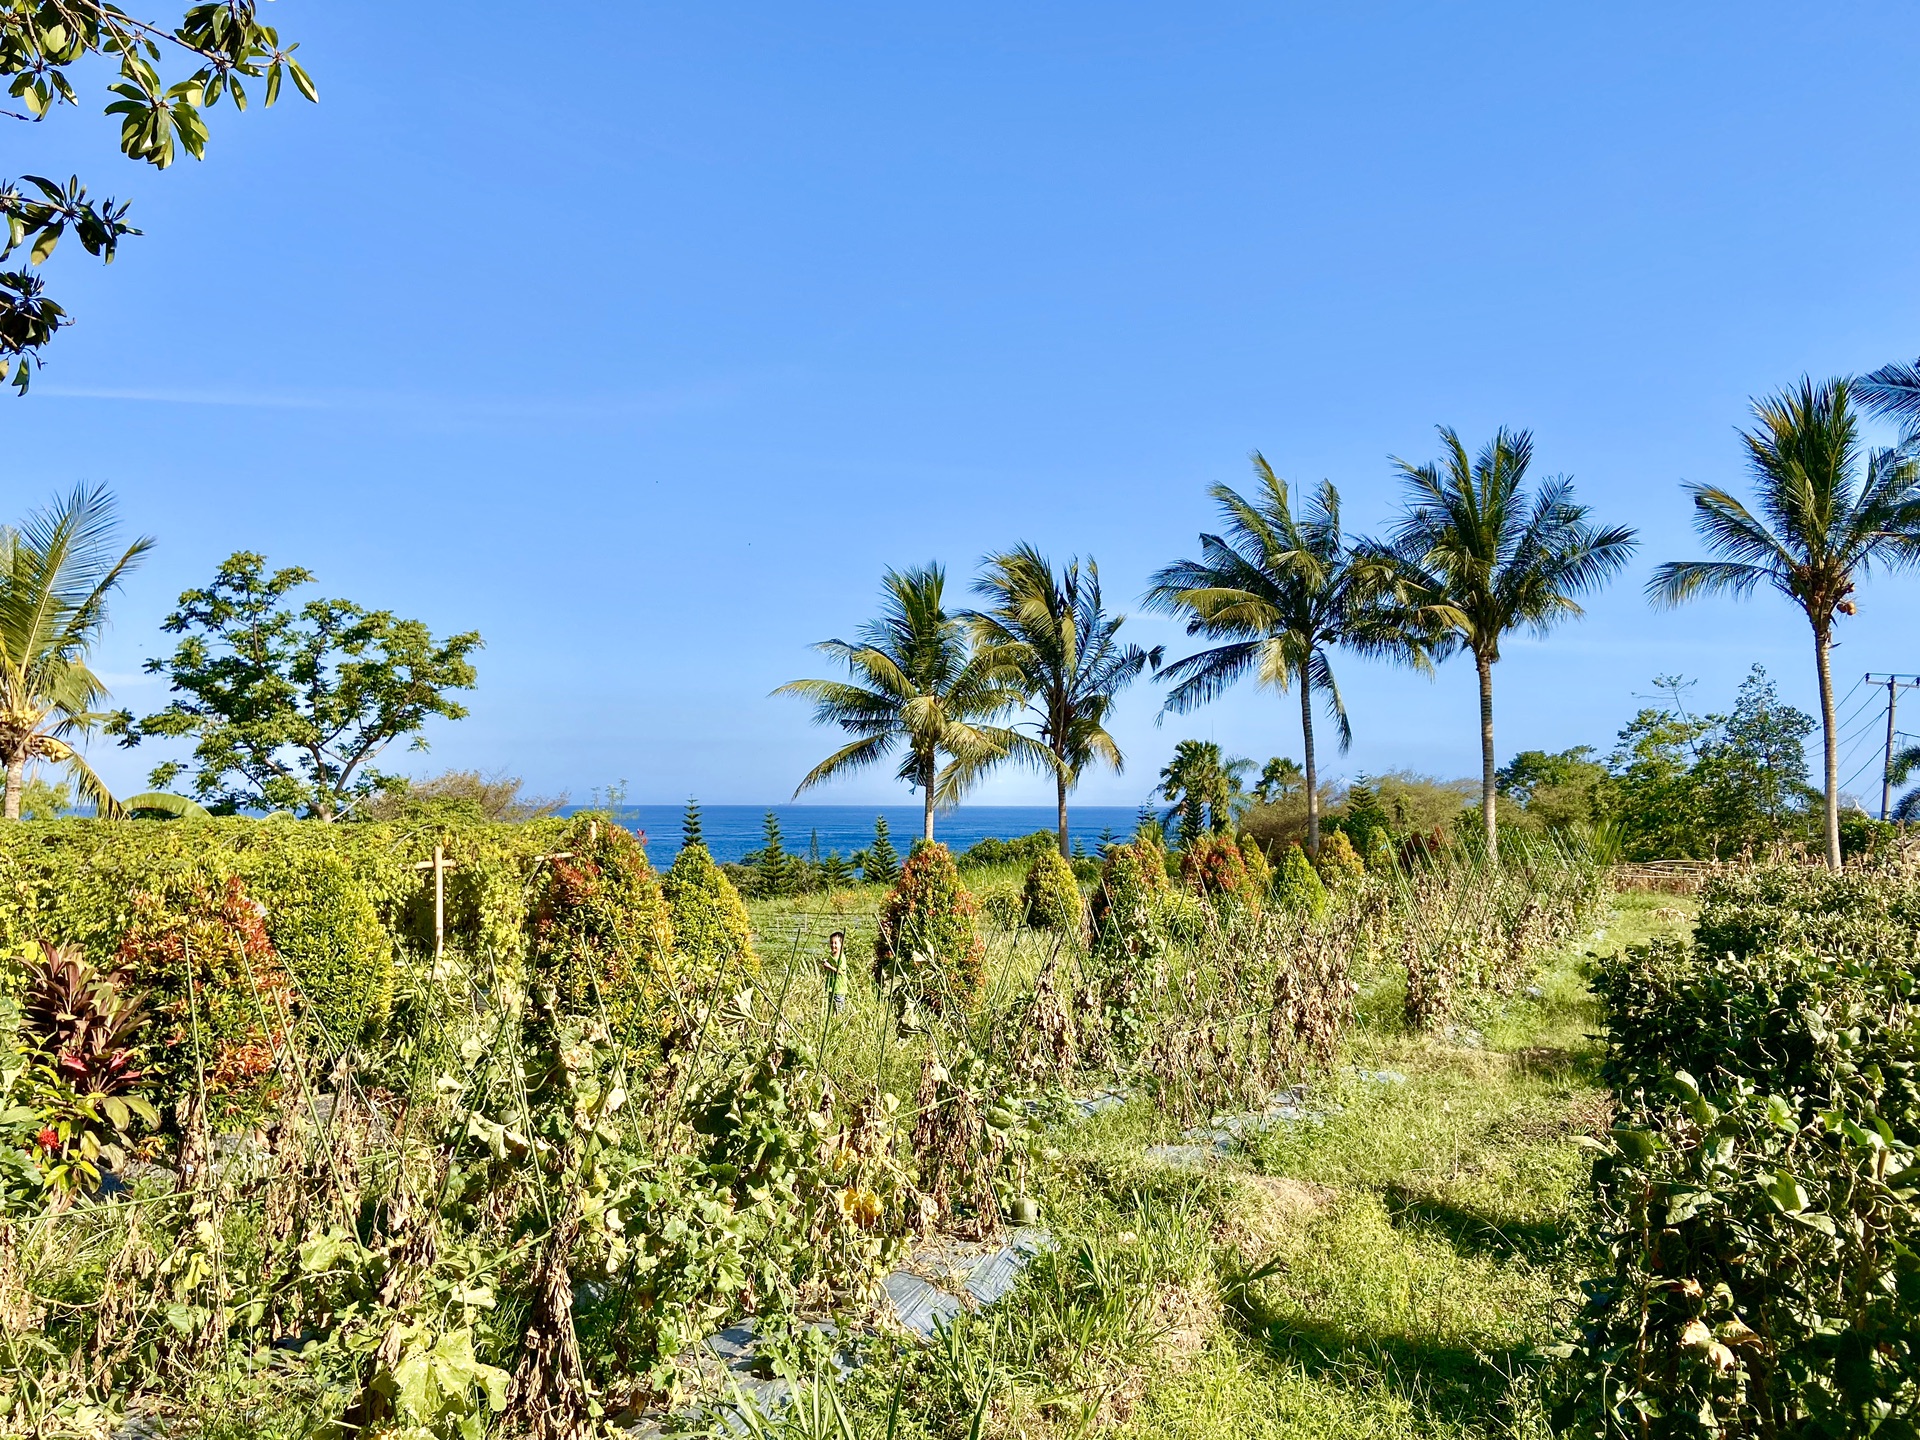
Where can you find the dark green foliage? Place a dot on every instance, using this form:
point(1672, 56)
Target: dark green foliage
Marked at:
point(329, 937)
point(1202, 788)
point(288, 707)
point(1124, 913)
point(690, 825)
point(775, 872)
point(835, 872)
point(1757, 1195)
point(602, 933)
point(1560, 791)
point(1023, 851)
point(1050, 899)
point(1692, 786)
point(882, 863)
point(223, 48)
point(925, 947)
point(1296, 887)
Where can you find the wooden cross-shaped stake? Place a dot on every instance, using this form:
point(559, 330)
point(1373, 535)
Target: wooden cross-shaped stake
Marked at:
point(439, 864)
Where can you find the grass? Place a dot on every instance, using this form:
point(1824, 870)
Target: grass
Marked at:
point(1387, 1270)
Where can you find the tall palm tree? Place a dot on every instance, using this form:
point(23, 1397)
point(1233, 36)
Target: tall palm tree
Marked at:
point(56, 571)
point(1059, 645)
point(1901, 769)
point(918, 687)
point(1819, 530)
point(1480, 555)
point(1279, 591)
point(1202, 788)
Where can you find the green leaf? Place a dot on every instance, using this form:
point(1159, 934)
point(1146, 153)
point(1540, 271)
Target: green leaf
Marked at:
point(1787, 1193)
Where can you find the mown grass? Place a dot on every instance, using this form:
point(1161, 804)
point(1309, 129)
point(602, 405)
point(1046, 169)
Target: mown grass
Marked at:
point(1386, 1270)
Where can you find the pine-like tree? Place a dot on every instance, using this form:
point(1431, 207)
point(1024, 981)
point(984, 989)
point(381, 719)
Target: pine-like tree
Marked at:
point(883, 861)
point(773, 867)
point(835, 872)
point(1106, 842)
point(690, 825)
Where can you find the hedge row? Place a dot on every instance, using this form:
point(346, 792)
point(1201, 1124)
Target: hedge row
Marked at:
point(1758, 1195)
point(342, 902)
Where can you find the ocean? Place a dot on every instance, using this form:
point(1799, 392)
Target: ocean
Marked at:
point(732, 830)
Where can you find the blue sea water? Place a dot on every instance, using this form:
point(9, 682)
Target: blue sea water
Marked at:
point(732, 830)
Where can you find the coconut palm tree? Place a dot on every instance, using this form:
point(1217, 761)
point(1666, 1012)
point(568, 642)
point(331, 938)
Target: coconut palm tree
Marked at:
point(1060, 646)
point(917, 687)
point(1280, 591)
point(56, 571)
point(1820, 529)
point(1480, 555)
point(1901, 769)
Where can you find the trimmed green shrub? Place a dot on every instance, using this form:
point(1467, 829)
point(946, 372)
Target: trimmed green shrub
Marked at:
point(1124, 914)
point(925, 946)
point(712, 940)
point(1297, 887)
point(1757, 1196)
point(1182, 916)
point(1338, 862)
point(1022, 851)
point(327, 934)
point(1259, 868)
point(221, 1005)
point(1050, 899)
point(602, 936)
point(1212, 867)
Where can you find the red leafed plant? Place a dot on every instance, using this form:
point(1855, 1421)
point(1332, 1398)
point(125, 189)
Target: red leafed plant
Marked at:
point(82, 1021)
point(82, 1031)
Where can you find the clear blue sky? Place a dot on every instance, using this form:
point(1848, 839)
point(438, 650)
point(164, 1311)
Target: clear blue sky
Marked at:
point(642, 343)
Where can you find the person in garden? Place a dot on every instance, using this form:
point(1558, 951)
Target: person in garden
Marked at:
point(835, 970)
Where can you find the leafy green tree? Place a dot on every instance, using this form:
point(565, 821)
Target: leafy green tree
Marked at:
point(882, 863)
point(57, 571)
point(223, 45)
point(918, 688)
point(458, 795)
point(1279, 778)
point(1710, 786)
point(45, 800)
point(1061, 648)
point(773, 868)
point(1560, 790)
point(1820, 530)
point(835, 871)
point(1479, 555)
point(1365, 821)
point(1903, 766)
point(1757, 767)
point(288, 707)
point(1201, 787)
point(690, 825)
point(1279, 591)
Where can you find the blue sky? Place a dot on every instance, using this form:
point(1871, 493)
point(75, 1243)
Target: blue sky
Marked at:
point(643, 345)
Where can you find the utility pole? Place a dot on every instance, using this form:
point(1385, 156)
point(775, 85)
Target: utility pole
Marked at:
point(1895, 684)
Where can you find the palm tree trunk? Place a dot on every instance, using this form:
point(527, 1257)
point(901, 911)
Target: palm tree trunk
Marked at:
point(1822, 643)
point(16, 783)
point(1313, 789)
point(926, 793)
point(1060, 785)
point(1485, 667)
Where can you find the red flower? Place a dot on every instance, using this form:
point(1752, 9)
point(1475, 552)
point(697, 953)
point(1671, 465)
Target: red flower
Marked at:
point(47, 1139)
